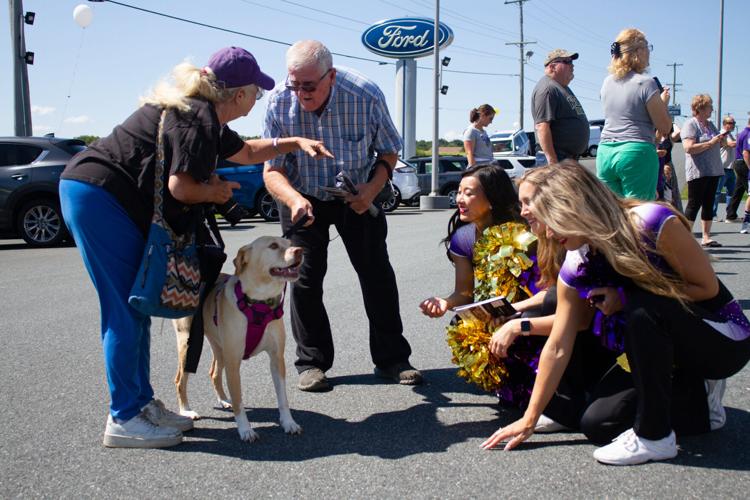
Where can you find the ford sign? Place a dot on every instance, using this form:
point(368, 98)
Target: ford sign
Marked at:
point(405, 37)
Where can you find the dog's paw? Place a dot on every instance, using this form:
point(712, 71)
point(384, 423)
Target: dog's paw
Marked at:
point(291, 427)
point(190, 414)
point(248, 435)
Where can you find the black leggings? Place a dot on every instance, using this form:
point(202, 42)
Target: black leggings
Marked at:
point(740, 186)
point(656, 397)
point(701, 195)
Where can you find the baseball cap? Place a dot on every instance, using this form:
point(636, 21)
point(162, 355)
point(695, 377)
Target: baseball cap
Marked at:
point(236, 67)
point(560, 54)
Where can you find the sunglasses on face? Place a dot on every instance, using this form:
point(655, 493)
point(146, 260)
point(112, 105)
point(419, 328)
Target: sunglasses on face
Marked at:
point(260, 94)
point(565, 61)
point(306, 86)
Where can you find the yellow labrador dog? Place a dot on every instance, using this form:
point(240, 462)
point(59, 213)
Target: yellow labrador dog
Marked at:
point(241, 318)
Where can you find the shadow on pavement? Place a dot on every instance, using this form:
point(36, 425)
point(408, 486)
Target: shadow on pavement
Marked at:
point(388, 435)
point(725, 449)
point(417, 430)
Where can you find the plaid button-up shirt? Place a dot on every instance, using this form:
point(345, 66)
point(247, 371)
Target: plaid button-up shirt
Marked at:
point(354, 126)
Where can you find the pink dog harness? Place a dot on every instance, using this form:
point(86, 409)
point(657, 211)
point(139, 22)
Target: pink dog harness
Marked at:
point(258, 314)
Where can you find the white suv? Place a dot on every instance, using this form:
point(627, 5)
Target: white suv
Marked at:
point(510, 143)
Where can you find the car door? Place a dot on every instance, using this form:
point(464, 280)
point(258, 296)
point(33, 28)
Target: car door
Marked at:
point(424, 173)
point(15, 174)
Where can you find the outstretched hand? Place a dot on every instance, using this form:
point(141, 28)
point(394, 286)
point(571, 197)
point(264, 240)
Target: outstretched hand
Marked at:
point(313, 148)
point(513, 434)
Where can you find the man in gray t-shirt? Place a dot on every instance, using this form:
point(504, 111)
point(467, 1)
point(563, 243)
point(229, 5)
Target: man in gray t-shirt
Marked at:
point(562, 128)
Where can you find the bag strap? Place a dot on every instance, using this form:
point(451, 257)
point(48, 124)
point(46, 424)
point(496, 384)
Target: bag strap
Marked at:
point(158, 217)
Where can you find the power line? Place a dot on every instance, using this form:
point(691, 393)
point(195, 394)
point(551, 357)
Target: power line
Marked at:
point(288, 44)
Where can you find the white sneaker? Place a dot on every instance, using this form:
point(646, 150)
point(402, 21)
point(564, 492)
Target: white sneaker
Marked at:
point(139, 432)
point(717, 415)
point(745, 228)
point(158, 414)
point(630, 449)
point(546, 425)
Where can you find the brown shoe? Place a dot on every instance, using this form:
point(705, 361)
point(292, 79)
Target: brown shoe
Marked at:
point(313, 380)
point(403, 373)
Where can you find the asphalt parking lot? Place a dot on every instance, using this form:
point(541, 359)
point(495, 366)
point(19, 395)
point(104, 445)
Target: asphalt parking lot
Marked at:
point(363, 439)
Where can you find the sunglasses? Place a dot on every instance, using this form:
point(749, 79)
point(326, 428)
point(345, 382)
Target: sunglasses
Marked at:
point(307, 86)
point(260, 94)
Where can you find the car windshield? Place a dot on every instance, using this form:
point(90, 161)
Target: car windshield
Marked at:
point(501, 145)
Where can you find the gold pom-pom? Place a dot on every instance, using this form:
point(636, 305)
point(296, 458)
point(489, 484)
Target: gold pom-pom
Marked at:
point(499, 261)
point(469, 342)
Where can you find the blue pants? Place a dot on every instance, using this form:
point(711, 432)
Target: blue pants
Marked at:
point(111, 246)
point(726, 181)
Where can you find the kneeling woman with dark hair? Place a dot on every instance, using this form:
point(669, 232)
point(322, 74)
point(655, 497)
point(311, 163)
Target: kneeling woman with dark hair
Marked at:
point(493, 254)
point(639, 260)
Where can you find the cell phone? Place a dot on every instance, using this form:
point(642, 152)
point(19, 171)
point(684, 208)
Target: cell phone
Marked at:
point(659, 85)
point(335, 191)
point(296, 226)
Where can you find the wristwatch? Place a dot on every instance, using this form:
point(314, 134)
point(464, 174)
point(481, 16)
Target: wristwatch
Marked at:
point(525, 327)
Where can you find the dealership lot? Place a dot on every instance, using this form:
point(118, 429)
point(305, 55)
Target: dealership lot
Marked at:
point(362, 439)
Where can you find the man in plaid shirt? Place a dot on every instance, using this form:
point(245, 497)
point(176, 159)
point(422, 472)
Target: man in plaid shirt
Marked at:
point(347, 112)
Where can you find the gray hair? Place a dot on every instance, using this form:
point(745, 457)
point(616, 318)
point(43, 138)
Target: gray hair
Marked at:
point(306, 53)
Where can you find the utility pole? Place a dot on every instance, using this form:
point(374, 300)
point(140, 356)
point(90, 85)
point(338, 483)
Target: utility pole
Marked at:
point(521, 46)
point(721, 61)
point(674, 81)
point(21, 59)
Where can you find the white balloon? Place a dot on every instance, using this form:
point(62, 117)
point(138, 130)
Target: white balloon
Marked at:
point(83, 15)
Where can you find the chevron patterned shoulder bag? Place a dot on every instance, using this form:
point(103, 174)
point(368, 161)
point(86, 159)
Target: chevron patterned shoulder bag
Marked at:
point(168, 283)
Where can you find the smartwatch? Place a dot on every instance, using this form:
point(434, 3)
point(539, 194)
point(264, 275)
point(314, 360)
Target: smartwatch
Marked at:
point(525, 327)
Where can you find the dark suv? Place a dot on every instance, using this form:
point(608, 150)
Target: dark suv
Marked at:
point(449, 174)
point(30, 169)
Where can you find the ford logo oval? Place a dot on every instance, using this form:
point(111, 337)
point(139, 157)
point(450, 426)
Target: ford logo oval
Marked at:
point(405, 37)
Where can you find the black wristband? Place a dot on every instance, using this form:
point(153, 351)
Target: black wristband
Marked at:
point(525, 327)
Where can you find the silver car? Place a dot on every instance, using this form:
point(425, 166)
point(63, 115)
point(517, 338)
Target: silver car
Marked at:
point(405, 186)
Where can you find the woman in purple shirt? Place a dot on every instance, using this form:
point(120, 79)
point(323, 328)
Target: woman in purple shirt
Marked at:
point(676, 311)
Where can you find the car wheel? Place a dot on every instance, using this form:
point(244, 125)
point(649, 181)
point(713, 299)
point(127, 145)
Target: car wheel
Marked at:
point(451, 192)
point(592, 150)
point(40, 223)
point(265, 205)
point(392, 203)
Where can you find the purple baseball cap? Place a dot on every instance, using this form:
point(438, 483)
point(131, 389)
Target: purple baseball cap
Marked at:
point(235, 67)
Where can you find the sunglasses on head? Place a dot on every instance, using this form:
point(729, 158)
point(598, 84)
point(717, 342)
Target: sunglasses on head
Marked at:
point(307, 86)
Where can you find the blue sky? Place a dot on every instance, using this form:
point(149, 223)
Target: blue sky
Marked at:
point(86, 81)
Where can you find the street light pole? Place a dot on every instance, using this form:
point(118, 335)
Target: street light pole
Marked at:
point(436, 103)
point(721, 62)
point(21, 59)
point(521, 46)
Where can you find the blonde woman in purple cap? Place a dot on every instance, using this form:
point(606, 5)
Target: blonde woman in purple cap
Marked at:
point(106, 195)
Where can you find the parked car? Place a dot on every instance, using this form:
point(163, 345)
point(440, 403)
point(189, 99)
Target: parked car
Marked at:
point(510, 142)
point(516, 166)
point(405, 186)
point(450, 169)
point(595, 135)
point(30, 169)
point(252, 194)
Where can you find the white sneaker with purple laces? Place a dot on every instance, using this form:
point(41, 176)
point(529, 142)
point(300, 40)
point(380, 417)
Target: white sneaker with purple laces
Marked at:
point(631, 449)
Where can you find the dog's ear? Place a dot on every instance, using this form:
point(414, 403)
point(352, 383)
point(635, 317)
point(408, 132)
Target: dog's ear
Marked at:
point(243, 257)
